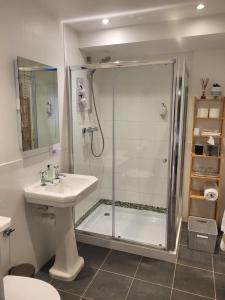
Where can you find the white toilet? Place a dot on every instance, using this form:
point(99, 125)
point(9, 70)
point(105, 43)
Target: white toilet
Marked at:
point(23, 288)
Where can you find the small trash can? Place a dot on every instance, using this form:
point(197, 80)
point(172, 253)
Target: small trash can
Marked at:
point(202, 234)
point(25, 270)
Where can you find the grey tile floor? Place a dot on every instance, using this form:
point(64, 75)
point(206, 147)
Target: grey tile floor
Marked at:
point(114, 275)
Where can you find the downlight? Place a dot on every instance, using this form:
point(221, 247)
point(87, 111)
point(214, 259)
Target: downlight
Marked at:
point(105, 21)
point(200, 6)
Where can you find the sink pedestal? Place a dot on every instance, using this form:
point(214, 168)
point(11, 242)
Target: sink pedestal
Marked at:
point(67, 261)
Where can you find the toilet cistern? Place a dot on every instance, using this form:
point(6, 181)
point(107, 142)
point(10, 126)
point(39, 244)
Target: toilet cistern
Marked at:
point(5, 222)
point(22, 288)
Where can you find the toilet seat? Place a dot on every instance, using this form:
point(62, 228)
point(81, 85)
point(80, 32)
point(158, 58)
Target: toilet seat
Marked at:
point(25, 288)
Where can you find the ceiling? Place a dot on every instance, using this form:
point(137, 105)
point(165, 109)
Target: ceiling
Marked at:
point(86, 15)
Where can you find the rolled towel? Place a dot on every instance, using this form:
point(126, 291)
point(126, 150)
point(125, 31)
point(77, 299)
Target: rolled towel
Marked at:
point(211, 191)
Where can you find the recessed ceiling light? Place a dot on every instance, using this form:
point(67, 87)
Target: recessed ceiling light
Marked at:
point(200, 6)
point(105, 21)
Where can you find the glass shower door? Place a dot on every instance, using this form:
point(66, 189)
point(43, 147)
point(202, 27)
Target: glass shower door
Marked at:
point(142, 118)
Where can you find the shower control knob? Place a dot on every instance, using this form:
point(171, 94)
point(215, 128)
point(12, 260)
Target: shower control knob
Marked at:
point(165, 160)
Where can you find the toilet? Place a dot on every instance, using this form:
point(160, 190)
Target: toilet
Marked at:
point(23, 288)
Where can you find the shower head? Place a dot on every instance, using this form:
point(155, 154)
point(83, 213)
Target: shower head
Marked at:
point(91, 71)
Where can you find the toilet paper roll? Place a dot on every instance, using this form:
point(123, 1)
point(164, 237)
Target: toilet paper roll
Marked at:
point(203, 113)
point(196, 131)
point(214, 113)
point(211, 191)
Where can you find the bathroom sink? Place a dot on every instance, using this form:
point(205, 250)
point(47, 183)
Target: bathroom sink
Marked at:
point(64, 193)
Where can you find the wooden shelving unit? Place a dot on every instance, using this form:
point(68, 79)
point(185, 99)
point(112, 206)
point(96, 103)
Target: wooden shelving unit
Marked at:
point(198, 195)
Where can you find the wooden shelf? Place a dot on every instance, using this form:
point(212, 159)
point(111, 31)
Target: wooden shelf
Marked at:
point(210, 99)
point(207, 136)
point(205, 177)
point(206, 156)
point(197, 180)
point(215, 119)
point(196, 195)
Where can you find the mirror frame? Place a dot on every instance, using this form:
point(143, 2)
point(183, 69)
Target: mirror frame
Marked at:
point(42, 150)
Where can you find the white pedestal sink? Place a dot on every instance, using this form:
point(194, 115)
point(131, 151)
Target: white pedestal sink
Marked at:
point(63, 195)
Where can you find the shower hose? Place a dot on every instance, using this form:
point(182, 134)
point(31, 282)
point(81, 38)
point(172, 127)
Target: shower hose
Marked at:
point(99, 124)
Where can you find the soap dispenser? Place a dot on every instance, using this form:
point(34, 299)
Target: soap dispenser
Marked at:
point(49, 173)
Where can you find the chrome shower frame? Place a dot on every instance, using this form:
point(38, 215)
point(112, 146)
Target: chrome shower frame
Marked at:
point(178, 110)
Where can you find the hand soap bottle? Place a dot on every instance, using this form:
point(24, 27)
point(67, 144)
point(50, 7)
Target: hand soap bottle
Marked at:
point(49, 173)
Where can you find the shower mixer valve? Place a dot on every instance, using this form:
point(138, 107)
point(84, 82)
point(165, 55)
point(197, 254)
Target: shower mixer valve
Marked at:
point(89, 129)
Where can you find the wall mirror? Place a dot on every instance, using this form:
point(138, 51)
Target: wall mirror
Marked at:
point(38, 93)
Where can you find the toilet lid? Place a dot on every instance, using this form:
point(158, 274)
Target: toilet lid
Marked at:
point(25, 288)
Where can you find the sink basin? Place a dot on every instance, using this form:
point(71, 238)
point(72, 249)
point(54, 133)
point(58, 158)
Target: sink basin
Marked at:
point(64, 193)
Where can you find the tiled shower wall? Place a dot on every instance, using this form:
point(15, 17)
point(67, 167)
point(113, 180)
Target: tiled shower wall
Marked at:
point(84, 162)
point(141, 136)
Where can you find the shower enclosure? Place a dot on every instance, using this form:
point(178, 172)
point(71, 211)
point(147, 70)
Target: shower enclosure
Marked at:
point(136, 112)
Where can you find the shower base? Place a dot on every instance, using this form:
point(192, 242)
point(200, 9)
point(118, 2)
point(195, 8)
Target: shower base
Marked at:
point(136, 225)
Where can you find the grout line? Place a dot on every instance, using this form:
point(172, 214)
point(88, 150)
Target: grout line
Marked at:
point(133, 278)
point(202, 269)
point(85, 290)
point(214, 281)
point(117, 273)
point(219, 273)
point(68, 292)
point(50, 282)
point(174, 273)
point(193, 294)
point(154, 283)
point(146, 281)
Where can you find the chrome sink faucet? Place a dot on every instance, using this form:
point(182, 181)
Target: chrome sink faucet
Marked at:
point(58, 175)
point(50, 174)
point(43, 178)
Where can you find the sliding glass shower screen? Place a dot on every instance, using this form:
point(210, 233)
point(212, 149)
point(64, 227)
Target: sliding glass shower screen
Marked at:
point(141, 111)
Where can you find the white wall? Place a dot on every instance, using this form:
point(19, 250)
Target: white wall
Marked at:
point(84, 163)
point(205, 63)
point(28, 32)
